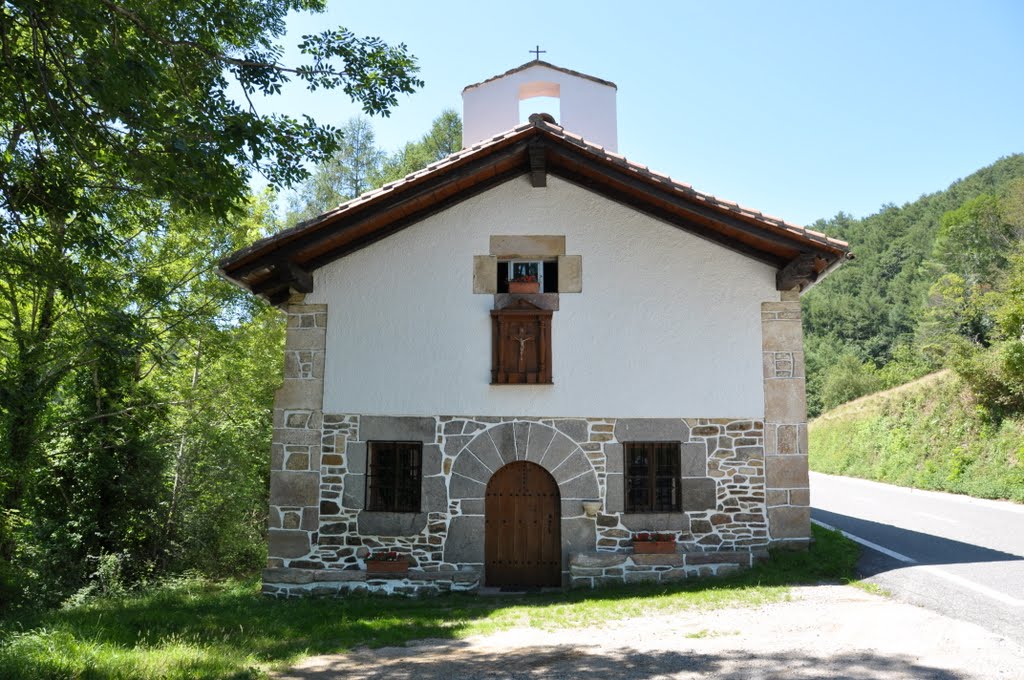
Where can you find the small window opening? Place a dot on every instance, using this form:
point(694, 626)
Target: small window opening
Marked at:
point(544, 272)
point(652, 477)
point(394, 476)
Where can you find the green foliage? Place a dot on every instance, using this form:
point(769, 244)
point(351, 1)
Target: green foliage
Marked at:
point(350, 171)
point(907, 364)
point(100, 95)
point(122, 155)
point(954, 313)
point(973, 240)
point(133, 440)
point(848, 379)
point(186, 628)
point(923, 280)
point(216, 510)
point(1008, 301)
point(443, 139)
point(929, 435)
point(993, 365)
point(995, 376)
point(359, 165)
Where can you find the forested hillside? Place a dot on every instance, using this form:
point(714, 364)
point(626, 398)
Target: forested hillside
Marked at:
point(932, 285)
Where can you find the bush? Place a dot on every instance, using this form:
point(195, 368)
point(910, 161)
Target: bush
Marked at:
point(848, 379)
point(995, 376)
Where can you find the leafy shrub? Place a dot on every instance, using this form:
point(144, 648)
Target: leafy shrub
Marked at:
point(848, 379)
point(995, 376)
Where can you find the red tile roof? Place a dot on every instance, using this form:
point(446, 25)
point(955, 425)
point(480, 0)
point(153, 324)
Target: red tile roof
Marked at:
point(378, 213)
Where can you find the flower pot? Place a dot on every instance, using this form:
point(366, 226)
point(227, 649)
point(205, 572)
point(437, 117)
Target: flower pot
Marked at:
point(524, 286)
point(654, 547)
point(385, 567)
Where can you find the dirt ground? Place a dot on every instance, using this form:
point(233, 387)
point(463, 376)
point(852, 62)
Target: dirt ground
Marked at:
point(822, 632)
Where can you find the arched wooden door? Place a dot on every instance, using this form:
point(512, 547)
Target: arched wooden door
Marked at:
point(523, 514)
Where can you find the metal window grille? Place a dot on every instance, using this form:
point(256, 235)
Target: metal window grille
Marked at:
point(393, 476)
point(653, 477)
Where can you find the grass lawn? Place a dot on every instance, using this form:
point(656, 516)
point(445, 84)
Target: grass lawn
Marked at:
point(199, 629)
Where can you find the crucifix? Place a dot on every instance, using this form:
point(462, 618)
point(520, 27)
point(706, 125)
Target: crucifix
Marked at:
point(522, 338)
point(537, 52)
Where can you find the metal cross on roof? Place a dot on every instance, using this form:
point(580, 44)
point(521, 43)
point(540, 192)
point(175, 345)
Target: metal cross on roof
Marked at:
point(537, 52)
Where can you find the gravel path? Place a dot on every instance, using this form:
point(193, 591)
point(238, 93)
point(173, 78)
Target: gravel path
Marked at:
point(822, 632)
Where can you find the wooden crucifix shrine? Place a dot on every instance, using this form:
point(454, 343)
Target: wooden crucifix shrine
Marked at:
point(520, 344)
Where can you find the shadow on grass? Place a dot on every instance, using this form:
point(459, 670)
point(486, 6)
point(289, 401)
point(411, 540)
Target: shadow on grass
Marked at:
point(222, 630)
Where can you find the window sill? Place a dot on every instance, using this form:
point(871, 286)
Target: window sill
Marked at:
point(380, 523)
point(548, 301)
point(655, 521)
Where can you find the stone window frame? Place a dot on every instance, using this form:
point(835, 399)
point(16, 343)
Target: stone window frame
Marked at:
point(567, 273)
point(676, 476)
point(415, 503)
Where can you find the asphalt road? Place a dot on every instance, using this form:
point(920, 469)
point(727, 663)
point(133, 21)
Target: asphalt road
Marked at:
point(959, 556)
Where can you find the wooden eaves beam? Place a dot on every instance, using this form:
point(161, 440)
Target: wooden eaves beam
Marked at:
point(394, 200)
point(287, 275)
point(538, 164)
point(801, 271)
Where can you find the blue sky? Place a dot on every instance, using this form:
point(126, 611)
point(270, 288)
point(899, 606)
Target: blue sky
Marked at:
point(798, 109)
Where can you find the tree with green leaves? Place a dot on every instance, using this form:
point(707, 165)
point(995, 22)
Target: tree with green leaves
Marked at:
point(351, 170)
point(117, 131)
point(359, 165)
point(973, 240)
point(443, 139)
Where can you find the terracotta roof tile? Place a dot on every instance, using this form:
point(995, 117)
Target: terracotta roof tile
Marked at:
point(688, 189)
point(557, 131)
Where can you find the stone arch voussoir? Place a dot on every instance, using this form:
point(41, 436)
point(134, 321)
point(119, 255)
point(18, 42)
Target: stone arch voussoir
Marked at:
point(495, 447)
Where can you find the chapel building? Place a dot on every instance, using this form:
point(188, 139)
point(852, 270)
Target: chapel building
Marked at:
point(517, 365)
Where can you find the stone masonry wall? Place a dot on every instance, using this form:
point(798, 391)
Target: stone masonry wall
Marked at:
point(723, 476)
point(590, 570)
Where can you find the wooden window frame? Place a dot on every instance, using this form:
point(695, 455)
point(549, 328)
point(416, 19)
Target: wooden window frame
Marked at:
point(395, 485)
point(659, 456)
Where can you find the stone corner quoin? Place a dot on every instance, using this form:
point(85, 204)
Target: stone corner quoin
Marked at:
point(787, 486)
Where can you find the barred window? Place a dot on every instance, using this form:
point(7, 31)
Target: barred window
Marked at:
point(393, 476)
point(652, 477)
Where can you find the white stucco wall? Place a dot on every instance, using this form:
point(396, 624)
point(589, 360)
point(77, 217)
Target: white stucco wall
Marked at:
point(667, 325)
point(586, 107)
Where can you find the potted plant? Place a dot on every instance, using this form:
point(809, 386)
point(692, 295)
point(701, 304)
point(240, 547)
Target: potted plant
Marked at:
point(654, 544)
point(387, 562)
point(526, 283)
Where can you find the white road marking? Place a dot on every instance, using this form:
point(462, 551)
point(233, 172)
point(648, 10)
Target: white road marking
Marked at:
point(874, 546)
point(953, 578)
point(938, 517)
point(976, 587)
